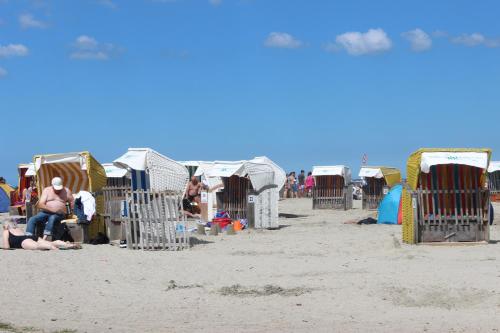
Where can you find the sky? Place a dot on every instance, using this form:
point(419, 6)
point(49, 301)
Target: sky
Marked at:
point(303, 82)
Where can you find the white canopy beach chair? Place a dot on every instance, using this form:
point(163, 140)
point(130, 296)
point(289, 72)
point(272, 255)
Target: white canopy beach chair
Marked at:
point(333, 189)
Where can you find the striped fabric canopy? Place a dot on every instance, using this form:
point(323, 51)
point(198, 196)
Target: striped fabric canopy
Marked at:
point(73, 177)
point(78, 171)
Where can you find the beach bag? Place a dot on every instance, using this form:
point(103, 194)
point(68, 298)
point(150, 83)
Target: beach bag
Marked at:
point(100, 239)
point(61, 232)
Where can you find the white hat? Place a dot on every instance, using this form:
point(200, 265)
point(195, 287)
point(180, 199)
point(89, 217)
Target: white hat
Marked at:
point(57, 183)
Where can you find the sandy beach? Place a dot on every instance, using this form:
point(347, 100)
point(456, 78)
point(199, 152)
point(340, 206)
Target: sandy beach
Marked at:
point(314, 274)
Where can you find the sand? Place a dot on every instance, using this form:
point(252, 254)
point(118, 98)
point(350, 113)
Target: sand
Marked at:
point(315, 274)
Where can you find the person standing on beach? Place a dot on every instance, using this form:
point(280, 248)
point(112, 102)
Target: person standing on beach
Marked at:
point(52, 206)
point(301, 181)
point(293, 185)
point(309, 183)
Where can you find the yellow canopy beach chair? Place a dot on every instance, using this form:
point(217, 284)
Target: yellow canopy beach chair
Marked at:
point(79, 171)
point(446, 198)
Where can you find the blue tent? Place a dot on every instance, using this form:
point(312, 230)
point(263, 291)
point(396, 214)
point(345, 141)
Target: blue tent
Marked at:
point(388, 209)
point(4, 198)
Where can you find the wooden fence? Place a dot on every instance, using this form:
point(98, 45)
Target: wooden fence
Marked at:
point(330, 192)
point(451, 205)
point(153, 220)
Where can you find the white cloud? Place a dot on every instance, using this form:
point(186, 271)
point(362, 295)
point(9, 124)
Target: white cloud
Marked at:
point(419, 40)
point(86, 43)
point(215, 2)
point(282, 40)
point(3, 72)
point(13, 50)
point(475, 39)
point(28, 21)
point(88, 48)
point(358, 43)
point(492, 42)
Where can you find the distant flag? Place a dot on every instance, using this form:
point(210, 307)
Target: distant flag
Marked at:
point(364, 160)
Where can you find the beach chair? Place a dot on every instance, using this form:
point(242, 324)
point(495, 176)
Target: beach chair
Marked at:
point(79, 171)
point(249, 189)
point(151, 208)
point(118, 182)
point(494, 180)
point(446, 198)
point(333, 188)
point(377, 182)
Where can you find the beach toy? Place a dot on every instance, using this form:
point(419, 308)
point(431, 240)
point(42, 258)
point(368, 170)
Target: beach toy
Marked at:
point(214, 230)
point(201, 229)
point(237, 225)
point(230, 230)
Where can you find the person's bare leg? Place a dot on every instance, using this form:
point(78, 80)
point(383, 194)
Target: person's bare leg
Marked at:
point(67, 245)
point(60, 243)
point(45, 245)
point(29, 244)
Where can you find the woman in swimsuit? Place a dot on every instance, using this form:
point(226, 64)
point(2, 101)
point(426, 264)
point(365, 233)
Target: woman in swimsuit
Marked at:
point(15, 238)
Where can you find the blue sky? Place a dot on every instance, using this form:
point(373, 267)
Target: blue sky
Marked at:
point(303, 82)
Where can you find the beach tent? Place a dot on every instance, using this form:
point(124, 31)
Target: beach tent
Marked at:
point(5, 192)
point(377, 180)
point(446, 199)
point(494, 180)
point(333, 188)
point(389, 208)
point(79, 171)
point(151, 170)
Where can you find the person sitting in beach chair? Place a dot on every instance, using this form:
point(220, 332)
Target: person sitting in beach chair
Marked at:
point(15, 238)
point(52, 206)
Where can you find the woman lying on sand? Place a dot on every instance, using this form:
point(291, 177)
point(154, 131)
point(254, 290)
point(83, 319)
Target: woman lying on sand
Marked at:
point(15, 238)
